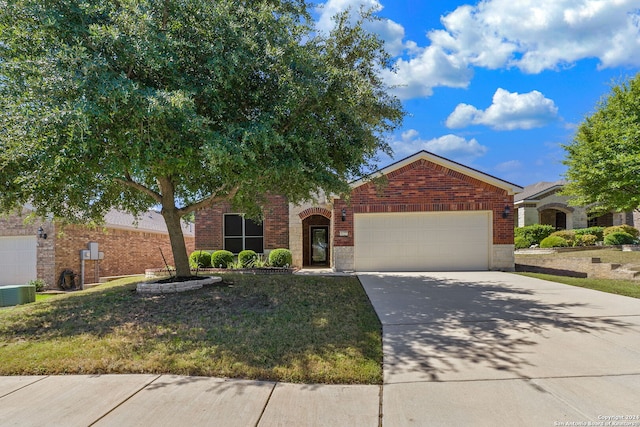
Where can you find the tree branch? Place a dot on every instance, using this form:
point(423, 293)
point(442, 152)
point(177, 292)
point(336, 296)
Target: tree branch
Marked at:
point(209, 201)
point(129, 182)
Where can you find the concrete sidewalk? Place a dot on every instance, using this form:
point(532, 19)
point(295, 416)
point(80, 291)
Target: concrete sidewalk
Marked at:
point(466, 348)
point(162, 400)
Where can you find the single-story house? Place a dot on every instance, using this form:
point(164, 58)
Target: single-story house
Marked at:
point(541, 203)
point(43, 249)
point(431, 214)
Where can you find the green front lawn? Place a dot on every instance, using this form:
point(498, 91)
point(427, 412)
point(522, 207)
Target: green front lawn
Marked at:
point(274, 327)
point(628, 288)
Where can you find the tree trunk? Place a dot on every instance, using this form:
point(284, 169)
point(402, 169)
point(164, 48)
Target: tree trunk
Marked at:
point(174, 227)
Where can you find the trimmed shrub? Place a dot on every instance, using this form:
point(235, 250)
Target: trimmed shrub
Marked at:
point(534, 233)
point(39, 284)
point(595, 231)
point(567, 235)
point(521, 243)
point(585, 240)
point(280, 258)
point(619, 238)
point(624, 228)
point(221, 259)
point(247, 258)
point(200, 259)
point(553, 242)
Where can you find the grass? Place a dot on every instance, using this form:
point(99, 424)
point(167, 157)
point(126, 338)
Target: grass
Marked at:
point(274, 327)
point(628, 288)
point(43, 297)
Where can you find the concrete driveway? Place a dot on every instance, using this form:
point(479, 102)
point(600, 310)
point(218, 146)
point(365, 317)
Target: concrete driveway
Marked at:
point(493, 348)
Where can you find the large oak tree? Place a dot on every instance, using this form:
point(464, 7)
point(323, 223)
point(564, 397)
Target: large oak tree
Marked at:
point(603, 159)
point(134, 104)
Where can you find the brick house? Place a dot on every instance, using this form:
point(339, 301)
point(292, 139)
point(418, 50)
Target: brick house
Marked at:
point(431, 214)
point(43, 249)
point(542, 203)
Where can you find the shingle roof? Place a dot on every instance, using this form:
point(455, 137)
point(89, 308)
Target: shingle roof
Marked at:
point(148, 221)
point(533, 190)
point(151, 221)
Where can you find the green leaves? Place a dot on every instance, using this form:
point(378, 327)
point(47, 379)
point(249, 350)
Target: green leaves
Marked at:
point(604, 158)
point(136, 103)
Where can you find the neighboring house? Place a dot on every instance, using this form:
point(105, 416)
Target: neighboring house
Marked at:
point(541, 203)
point(128, 247)
point(432, 214)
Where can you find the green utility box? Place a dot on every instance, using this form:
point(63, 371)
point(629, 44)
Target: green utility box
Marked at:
point(19, 294)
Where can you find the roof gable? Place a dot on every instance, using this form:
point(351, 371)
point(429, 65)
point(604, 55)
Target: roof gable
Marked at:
point(423, 155)
point(534, 191)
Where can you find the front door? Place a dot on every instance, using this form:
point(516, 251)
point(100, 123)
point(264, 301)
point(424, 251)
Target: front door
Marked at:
point(319, 245)
point(561, 220)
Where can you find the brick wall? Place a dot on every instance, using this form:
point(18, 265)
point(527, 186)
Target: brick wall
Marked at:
point(423, 186)
point(125, 251)
point(209, 224)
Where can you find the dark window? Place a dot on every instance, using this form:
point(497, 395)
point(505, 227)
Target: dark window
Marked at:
point(233, 225)
point(242, 233)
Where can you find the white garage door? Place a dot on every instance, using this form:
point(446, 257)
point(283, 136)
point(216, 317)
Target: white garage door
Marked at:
point(17, 260)
point(422, 241)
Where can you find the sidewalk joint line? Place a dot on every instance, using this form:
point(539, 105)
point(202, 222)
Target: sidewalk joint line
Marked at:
point(264, 408)
point(380, 414)
point(103, 416)
point(26, 385)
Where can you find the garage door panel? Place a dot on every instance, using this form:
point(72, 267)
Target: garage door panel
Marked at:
point(423, 241)
point(17, 260)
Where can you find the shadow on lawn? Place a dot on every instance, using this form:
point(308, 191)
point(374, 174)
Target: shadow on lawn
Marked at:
point(458, 329)
point(288, 328)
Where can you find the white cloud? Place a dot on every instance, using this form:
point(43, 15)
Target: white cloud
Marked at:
point(509, 166)
point(535, 35)
point(532, 35)
point(432, 67)
point(508, 111)
point(450, 146)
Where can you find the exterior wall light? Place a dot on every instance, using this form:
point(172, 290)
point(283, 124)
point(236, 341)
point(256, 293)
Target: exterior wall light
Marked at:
point(507, 211)
point(344, 214)
point(41, 233)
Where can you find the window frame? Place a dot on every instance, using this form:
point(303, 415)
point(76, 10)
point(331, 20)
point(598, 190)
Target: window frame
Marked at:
point(243, 236)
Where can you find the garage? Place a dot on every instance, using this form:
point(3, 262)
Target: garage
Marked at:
point(423, 241)
point(18, 258)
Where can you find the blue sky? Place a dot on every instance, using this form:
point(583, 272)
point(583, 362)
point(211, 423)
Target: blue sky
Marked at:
point(499, 85)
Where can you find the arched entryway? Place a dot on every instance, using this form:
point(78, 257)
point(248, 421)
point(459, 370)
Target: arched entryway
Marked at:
point(556, 215)
point(316, 241)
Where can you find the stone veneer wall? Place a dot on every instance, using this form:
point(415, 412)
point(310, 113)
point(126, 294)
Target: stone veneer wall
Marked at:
point(296, 245)
point(575, 267)
point(503, 257)
point(343, 258)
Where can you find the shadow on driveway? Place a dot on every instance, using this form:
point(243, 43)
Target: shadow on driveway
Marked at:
point(490, 325)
